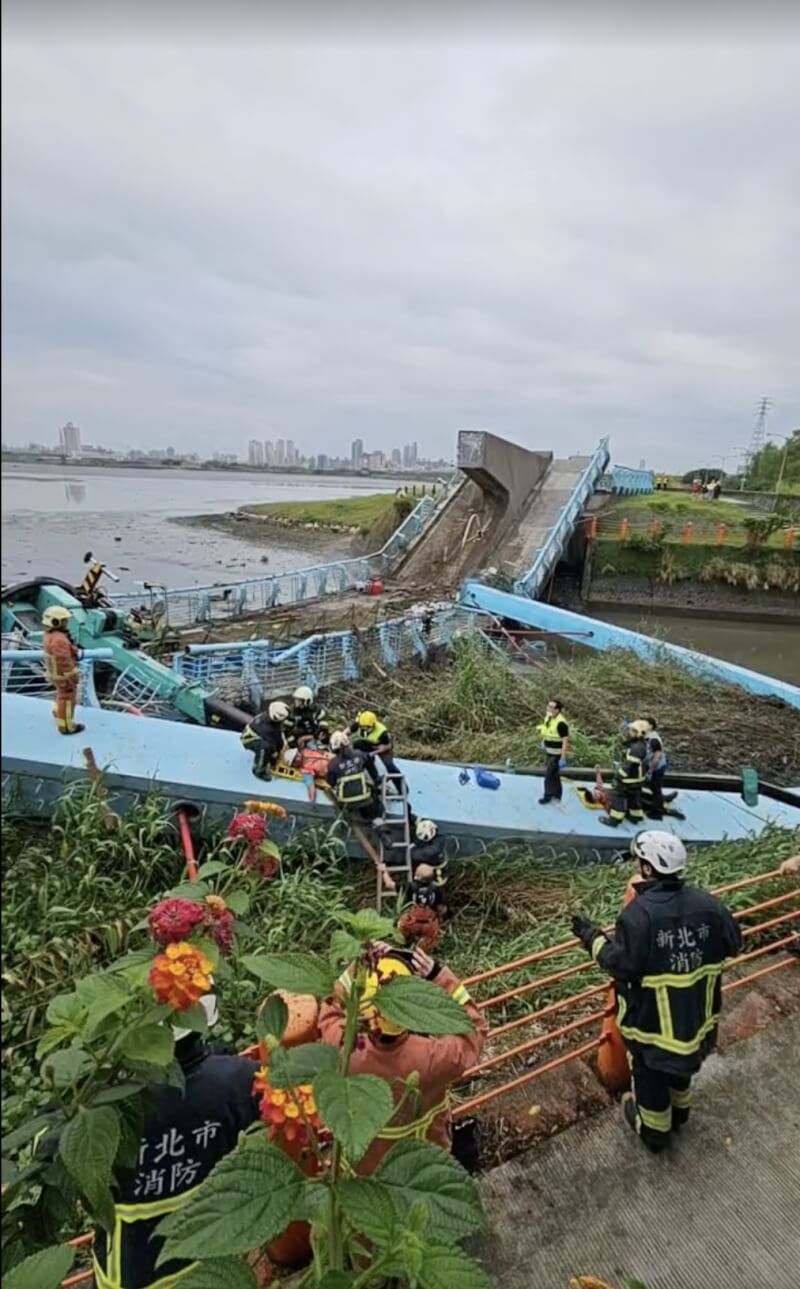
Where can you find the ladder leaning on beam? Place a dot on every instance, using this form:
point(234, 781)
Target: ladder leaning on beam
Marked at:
point(395, 854)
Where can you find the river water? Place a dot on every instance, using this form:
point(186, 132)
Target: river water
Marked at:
point(771, 647)
point(53, 515)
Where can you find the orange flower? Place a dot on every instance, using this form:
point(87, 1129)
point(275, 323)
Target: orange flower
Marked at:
point(288, 1113)
point(180, 976)
point(266, 808)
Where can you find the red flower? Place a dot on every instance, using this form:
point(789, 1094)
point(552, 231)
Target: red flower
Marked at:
point(174, 920)
point(252, 827)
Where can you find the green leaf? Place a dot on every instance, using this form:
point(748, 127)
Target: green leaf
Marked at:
point(211, 868)
point(152, 1044)
point(345, 948)
point(170, 1075)
point(337, 1280)
point(119, 1092)
point(88, 1146)
point(63, 1068)
point(209, 949)
point(298, 973)
point(44, 1270)
point(273, 1018)
point(245, 1202)
point(369, 1208)
point(444, 1266)
point(26, 1132)
point(238, 902)
point(290, 1067)
point(194, 1018)
point(220, 1273)
point(102, 996)
point(421, 1007)
point(52, 1038)
point(367, 925)
point(8, 1172)
point(67, 1011)
point(355, 1107)
point(415, 1171)
point(194, 891)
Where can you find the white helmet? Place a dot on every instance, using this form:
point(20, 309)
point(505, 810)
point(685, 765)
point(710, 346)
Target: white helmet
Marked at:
point(640, 728)
point(209, 1005)
point(426, 830)
point(663, 851)
point(303, 696)
point(56, 616)
point(339, 739)
point(290, 755)
point(278, 712)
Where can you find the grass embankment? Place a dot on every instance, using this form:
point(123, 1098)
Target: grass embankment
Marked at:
point(75, 894)
point(360, 512)
point(674, 509)
point(474, 709)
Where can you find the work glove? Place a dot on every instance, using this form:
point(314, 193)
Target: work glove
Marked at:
point(562, 763)
point(583, 930)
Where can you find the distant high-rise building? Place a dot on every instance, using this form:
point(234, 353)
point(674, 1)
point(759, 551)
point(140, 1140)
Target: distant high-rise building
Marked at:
point(374, 460)
point(290, 453)
point(356, 453)
point(255, 452)
point(322, 461)
point(280, 453)
point(397, 456)
point(269, 453)
point(69, 437)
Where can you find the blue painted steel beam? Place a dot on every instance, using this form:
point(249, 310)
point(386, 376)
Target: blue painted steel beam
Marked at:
point(212, 769)
point(604, 635)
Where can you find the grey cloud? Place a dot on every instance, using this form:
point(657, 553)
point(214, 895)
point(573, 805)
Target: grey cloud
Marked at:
point(553, 240)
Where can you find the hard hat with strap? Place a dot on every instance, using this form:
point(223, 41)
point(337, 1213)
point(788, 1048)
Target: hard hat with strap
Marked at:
point(58, 615)
point(387, 969)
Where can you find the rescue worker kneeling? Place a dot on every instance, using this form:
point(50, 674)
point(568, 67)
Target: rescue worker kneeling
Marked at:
point(394, 1054)
point(666, 956)
point(429, 867)
point(309, 720)
point(184, 1135)
point(266, 737)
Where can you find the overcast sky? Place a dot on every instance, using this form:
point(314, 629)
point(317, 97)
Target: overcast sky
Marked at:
point(393, 240)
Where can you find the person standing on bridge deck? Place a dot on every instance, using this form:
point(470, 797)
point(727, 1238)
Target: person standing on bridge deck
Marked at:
point(554, 732)
point(371, 736)
point(61, 659)
point(629, 778)
point(666, 956)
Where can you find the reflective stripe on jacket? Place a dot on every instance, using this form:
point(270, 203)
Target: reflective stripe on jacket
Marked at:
point(667, 955)
point(60, 658)
point(633, 769)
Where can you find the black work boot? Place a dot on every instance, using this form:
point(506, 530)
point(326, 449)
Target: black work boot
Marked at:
point(608, 821)
point(76, 729)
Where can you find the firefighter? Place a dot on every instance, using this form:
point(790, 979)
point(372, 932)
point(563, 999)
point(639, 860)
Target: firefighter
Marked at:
point(629, 777)
point(186, 1133)
point(666, 957)
point(393, 1053)
point(554, 732)
point(309, 719)
point(266, 736)
point(429, 867)
point(61, 658)
point(371, 735)
point(353, 779)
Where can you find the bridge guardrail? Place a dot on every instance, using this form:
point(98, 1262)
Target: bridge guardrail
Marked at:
point(222, 601)
point(549, 552)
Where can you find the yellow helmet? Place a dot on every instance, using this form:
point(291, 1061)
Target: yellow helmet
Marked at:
point(386, 970)
point(56, 616)
point(367, 720)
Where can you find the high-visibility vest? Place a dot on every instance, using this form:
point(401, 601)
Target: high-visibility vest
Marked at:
point(633, 769)
point(550, 736)
point(374, 735)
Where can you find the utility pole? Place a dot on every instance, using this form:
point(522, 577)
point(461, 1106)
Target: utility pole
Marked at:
point(758, 438)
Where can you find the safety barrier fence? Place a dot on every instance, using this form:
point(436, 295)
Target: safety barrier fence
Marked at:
point(626, 481)
point(23, 672)
point(258, 670)
point(222, 601)
point(702, 529)
point(594, 1019)
point(549, 553)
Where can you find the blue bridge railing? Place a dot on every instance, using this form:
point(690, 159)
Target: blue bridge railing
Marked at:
point(221, 601)
point(549, 553)
point(625, 481)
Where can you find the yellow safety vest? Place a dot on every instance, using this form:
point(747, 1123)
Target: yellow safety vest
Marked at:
point(373, 735)
point(550, 736)
point(125, 1215)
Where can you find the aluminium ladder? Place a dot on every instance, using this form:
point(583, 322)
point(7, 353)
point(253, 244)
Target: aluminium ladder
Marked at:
point(388, 846)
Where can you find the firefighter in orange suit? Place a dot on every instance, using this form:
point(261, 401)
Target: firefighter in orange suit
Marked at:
point(393, 1054)
point(61, 664)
